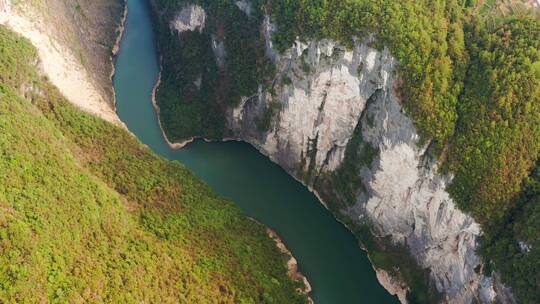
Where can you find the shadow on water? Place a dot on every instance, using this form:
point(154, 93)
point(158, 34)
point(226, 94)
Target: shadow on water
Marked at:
point(327, 252)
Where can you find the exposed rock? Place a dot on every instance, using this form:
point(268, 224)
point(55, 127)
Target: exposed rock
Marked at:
point(268, 28)
point(322, 90)
point(244, 6)
point(190, 18)
point(408, 201)
point(218, 46)
point(327, 93)
point(58, 59)
point(392, 285)
point(524, 247)
point(5, 6)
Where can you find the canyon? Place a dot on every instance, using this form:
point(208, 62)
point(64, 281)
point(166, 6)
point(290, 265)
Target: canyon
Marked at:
point(332, 115)
point(328, 100)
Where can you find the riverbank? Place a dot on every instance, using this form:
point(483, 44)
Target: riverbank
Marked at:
point(182, 144)
point(292, 264)
point(174, 146)
point(394, 286)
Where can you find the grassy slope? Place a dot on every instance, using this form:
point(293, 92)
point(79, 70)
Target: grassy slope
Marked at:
point(90, 214)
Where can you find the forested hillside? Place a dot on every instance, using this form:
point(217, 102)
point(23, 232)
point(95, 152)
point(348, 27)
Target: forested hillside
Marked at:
point(188, 110)
point(91, 215)
point(469, 76)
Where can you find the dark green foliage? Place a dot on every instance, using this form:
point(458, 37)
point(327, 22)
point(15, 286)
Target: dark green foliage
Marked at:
point(518, 264)
point(187, 110)
point(89, 214)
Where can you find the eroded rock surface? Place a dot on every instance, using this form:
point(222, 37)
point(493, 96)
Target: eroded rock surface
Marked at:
point(81, 75)
point(325, 97)
point(244, 6)
point(190, 18)
point(322, 92)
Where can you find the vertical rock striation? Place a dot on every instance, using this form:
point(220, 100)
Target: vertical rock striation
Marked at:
point(328, 101)
point(190, 18)
point(322, 93)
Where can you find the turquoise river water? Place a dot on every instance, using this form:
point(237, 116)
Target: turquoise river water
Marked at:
point(327, 252)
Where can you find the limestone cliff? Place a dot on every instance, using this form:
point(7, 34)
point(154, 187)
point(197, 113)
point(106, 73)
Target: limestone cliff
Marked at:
point(327, 101)
point(75, 42)
point(403, 195)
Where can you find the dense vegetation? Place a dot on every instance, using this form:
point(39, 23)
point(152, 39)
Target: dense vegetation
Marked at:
point(190, 109)
point(496, 145)
point(498, 135)
point(469, 76)
point(513, 243)
point(88, 214)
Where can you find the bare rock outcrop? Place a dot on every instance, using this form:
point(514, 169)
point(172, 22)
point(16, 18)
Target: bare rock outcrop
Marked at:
point(323, 91)
point(74, 53)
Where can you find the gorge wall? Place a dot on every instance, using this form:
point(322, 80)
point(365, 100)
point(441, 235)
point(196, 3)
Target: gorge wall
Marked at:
point(75, 41)
point(332, 118)
point(401, 194)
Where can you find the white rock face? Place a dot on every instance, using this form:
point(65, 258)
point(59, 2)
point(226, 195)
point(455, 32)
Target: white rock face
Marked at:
point(57, 61)
point(190, 18)
point(322, 105)
point(322, 92)
point(244, 6)
point(407, 200)
point(218, 47)
point(268, 29)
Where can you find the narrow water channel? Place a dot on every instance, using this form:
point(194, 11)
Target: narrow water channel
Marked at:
point(327, 252)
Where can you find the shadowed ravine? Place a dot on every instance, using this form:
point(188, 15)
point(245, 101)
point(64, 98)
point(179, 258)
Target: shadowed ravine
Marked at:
point(327, 252)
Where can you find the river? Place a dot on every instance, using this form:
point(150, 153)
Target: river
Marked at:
point(327, 253)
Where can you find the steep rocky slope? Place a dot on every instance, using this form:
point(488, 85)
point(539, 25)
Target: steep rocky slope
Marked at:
point(332, 116)
point(75, 41)
point(403, 196)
